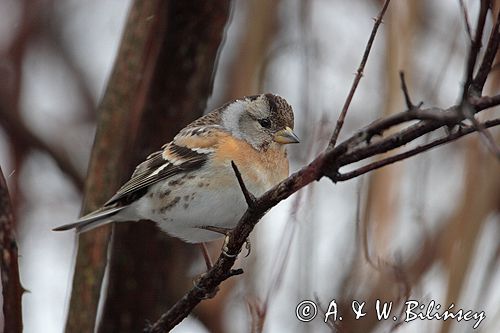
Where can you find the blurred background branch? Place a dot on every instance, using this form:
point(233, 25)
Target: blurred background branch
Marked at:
point(180, 76)
point(118, 115)
point(12, 291)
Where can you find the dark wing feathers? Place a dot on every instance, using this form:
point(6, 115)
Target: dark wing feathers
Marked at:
point(172, 160)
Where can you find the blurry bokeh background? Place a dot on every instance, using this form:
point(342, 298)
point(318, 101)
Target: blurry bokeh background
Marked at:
point(437, 212)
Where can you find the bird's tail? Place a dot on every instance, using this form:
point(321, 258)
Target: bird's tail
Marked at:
point(93, 220)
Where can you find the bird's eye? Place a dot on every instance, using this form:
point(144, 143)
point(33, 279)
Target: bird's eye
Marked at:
point(266, 123)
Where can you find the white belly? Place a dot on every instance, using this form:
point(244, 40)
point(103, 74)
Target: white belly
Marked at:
point(182, 204)
point(190, 206)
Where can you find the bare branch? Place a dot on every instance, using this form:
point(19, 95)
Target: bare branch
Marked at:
point(325, 164)
point(466, 19)
point(359, 75)
point(356, 148)
point(207, 285)
point(399, 157)
point(474, 48)
point(18, 132)
point(488, 139)
point(351, 150)
point(249, 197)
point(485, 102)
point(488, 58)
point(408, 101)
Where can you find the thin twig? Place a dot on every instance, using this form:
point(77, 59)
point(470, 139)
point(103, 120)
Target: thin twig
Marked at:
point(359, 75)
point(19, 132)
point(363, 227)
point(399, 157)
point(379, 126)
point(249, 197)
point(485, 135)
point(474, 48)
point(352, 150)
point(401, 277)
point(408, 101)
point(466, 19)
point(488, 58)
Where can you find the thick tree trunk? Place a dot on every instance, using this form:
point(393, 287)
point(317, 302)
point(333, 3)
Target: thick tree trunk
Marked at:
point(12, 290)
point(110, 161)
point(149, 270)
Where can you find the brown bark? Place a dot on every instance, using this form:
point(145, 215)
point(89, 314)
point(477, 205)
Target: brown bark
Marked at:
point(12, 290)
point(148, 270)
point(110, 159)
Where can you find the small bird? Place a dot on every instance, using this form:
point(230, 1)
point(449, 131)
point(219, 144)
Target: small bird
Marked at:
point(189, 186)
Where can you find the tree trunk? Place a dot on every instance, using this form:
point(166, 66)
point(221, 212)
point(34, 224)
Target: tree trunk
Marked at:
point(110, 160)
point(12, 291)
point(149, 270)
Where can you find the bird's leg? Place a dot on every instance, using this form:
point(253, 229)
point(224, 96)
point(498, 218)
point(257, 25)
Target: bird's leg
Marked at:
point(206, 255)
point(208, 262)
point(225, 231)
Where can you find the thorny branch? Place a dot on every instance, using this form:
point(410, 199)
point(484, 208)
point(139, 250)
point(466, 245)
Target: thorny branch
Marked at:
point(326, 164)
point(354, 149)
point(249, 197)
point(402, 156)
point(474, 86)
point(408, 101)
point(359, 75)
point(474, 48)
point(488, 58)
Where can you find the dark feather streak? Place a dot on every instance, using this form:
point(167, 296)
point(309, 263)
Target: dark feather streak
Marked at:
point(143, 176)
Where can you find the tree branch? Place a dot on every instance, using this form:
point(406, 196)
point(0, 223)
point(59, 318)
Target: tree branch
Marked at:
point(108, 167)
point(18, 132)
point(12, 290)
point(249, 197)
point(359, 75)
point(488, 139)
point(399, 157)
point(466, 19)
point(488, 58)
point(474, 48)
point(356, 148)
point(408, 101)
point(325, 164)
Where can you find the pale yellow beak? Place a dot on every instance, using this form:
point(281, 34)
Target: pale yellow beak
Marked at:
point(286, 136)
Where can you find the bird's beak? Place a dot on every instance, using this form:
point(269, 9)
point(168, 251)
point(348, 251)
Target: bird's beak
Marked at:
point(286, 136)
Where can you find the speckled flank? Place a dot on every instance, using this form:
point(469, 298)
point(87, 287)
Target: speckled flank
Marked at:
point(176, 182)
point(170, 205)
point(164, 194)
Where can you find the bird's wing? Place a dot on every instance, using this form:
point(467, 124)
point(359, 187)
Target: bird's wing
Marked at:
point(189, 151)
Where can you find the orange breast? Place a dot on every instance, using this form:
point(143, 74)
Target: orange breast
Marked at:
point(264, 169)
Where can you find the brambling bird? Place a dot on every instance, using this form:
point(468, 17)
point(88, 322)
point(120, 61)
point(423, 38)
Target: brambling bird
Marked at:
point(189, 186)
